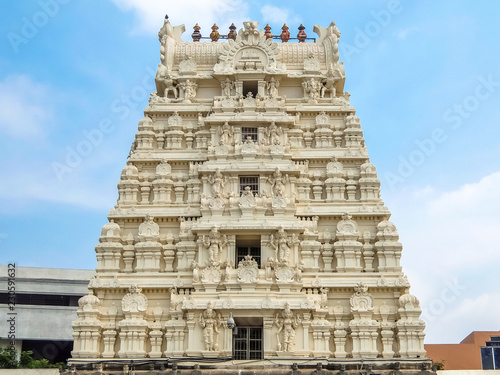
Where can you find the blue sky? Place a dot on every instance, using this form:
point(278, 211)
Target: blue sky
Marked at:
point(424, 78)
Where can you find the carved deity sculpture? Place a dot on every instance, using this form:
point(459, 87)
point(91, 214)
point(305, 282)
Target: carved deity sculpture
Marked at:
point(227, 87)
point(272, 88)
point(165, 82)
point(196, 271)
point(210, 324)
point(225, 133)
point(215, 244)
point(328, 84)
point(278, 183)
point(217, 181)
point(273, 134)
point(312, 88)
point(286, 323)
point(189, 89)
point(247, 199)
point(149, 230)
point(281, 246)
point(134, 301)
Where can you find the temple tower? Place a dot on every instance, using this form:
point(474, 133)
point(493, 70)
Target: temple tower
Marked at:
point(249, 223)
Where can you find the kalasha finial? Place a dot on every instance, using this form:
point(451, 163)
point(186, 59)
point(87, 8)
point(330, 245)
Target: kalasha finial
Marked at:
point(268, 32)
point(196, 35)
point(214, 35)
point(285, 34)
point(232, 32)
point(301, 36)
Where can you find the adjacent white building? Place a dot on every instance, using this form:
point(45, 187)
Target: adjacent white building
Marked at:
point(40, 303)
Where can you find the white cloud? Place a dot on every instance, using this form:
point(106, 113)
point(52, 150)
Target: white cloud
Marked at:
point(150, 14)
point(278, 16)
point(451, 236)
point(25, 108)
point(402, 34)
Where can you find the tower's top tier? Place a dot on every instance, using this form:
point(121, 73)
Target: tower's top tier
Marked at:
point(251, 51)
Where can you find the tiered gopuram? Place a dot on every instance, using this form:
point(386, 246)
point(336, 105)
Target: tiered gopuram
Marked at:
point(249, 228)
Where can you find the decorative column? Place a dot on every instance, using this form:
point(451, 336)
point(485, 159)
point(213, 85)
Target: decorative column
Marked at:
point(339, 332)
point(369, 184)
point(128, 186)
point(386, 331)
point(410, 327)
point(109, 333)
point(335, 183)
point(363, 327)
point(133, 329)
point(109, 249)
point(156, 334)
point(347, 248)
point(162, 186)
point(87, 328)
point(148, 249)
point(388, 247)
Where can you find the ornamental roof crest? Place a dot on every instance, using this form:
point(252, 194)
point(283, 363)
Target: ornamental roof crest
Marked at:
point(250, 52)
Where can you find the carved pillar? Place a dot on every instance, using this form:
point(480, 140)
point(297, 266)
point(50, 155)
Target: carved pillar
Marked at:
point(388, 247)
point(129, 254)
point(347, 248)
point(268, 334)
point(169, 253)
point(306, 323)
point(191, 341)
point(87, 328)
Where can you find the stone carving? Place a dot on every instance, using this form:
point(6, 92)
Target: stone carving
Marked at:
point(175, 299)
point(247, 199)
point(227, 87)
point(163, 169)
point(225, 134)
point(149, 230)
point(165, 83)
point(210, 323)
point(286, 323)
point(196, 271)
point(248, 270)
point(211, 274)
point(215, 243)
point(328, 83)
point(134, 301)
point(284, 274)
point(273, 134)
point(228, 267)
point(361, 300)
point(277, 181)
point(189, 88)
point(187, 66)
point(311, 88)
point(311, 65)
point(250, 32)
point(217, 181)
point(281, 246)
point(272, 88)
point(299, 268)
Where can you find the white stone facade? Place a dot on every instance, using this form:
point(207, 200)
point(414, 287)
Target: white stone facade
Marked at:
point(249, 144)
